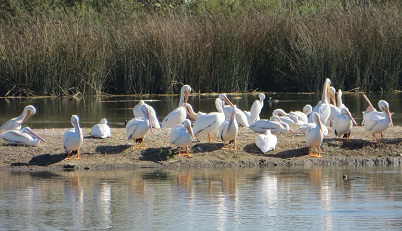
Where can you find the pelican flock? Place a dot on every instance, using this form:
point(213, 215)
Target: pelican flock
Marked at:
point(314, 123)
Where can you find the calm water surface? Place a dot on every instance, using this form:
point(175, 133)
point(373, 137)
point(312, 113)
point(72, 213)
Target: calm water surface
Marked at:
point(56, 112)
point(203, 199)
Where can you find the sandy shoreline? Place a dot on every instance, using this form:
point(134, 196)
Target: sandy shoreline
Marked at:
point(115, 153)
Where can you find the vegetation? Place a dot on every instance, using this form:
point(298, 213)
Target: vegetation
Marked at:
point(151, 46)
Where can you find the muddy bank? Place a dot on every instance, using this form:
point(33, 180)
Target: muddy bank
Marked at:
point(115, 153)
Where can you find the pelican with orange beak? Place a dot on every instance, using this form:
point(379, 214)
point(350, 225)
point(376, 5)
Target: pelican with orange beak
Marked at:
point(378, 122)
point(228, 130)
point(182, 135)
point(178, 115)
point(343, 123)
point(16, 123)
point(73, 138)
point(315, 135)
point(138, 127)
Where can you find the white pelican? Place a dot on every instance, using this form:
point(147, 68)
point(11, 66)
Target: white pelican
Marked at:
point(228, 130)
point(22, 137)
point(343, 123)
point(182, 135)
point(210, 122)
point(307, 126)
point(323, 107)
point(191, 112)
point(136, 128)
point(291, 120)
point(16, 123)
point(315, 135)
point(152, 113)
point(301, 117)
point(73, 138)
point(261, 126)
point(266, 142)
point(101, 130)
point(178, 115)
point(377, 122)
point(339, 102)
point(240, 116)
point(254, 113)
point(335, 111)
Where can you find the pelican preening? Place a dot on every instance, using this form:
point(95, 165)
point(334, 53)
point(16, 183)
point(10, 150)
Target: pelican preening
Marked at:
point(136, 128)
point(261, 126)
point(22, 137)
point(101, 130)
point(16, 123)
point(240, 116)
point(152, 113)
point(323, 108)
point(194, 116)
point(182, 135)
point(266, 142)
point(315, 136)
point(178, 115)
point(228, 130)
point(378, 122)
point(73, 138)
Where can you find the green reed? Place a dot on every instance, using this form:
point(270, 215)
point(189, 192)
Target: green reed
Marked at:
point(123, 47)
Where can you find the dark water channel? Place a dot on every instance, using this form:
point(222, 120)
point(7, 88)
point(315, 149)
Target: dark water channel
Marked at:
point(56, 112)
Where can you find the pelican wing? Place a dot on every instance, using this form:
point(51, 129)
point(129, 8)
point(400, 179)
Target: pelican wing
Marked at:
point(12, 124)
point(131, 128)
point(371, 122)
point(101, 131)
point(176, 133)
point(266, 142)
point(177, 116)
point(16, 137)
point(154, 119)
point(204, 122)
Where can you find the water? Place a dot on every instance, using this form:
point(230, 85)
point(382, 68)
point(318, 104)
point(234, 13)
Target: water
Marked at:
point(203, 199)
point(56, 112)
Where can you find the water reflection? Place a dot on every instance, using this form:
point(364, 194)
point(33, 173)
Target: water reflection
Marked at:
point(56, 112)
point(201, 199)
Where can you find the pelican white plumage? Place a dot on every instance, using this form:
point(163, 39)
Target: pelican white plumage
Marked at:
point(378, 122)
point(261, 126)
point(240, 116)
point(137, 113)
point(339, 102)
point(138, 127)
point(182, 135)
point(16, 123)
point(343, 123)
point(335, 111)
point(101, 130)
point(266, 142)
point(209, 123)
point(228, 130)
point(307, 126)
point(255, 110)
point(323, 107)
point(22, 137)
point(73, 138)
point(315, 136)
point(178, 115)
point(191, 112)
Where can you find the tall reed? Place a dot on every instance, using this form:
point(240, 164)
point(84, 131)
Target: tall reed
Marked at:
point(215, 46)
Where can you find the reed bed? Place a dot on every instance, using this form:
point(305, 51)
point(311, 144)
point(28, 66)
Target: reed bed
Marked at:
point(126, 47)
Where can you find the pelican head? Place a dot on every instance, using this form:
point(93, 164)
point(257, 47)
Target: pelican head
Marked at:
point(28, 112)
point(345, 111)
point(332, 92)
point(28, 131)
point(307, 109)
point(225, 99)
point(317, 119)
point(185, 90)
point(261, 96)
point(232, 117)
point(384, 107)
point(146, 115)
point(187, 124)
point(75, 121)
point(103, 121)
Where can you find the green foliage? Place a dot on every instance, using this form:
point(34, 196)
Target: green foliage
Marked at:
point(148, 46)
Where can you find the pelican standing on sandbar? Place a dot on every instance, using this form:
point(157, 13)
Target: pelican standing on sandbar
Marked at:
point(255, 110)
point(101, 130)
point(343, 123)
point(209, 123)
point(16, 123)
point(315, 135)
point(182, 135)
point(178, 115)
point(228, 130)
point(22, 137)
point(241, 117)
point(73, 138)
point(137, 128)
point(378, 122)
